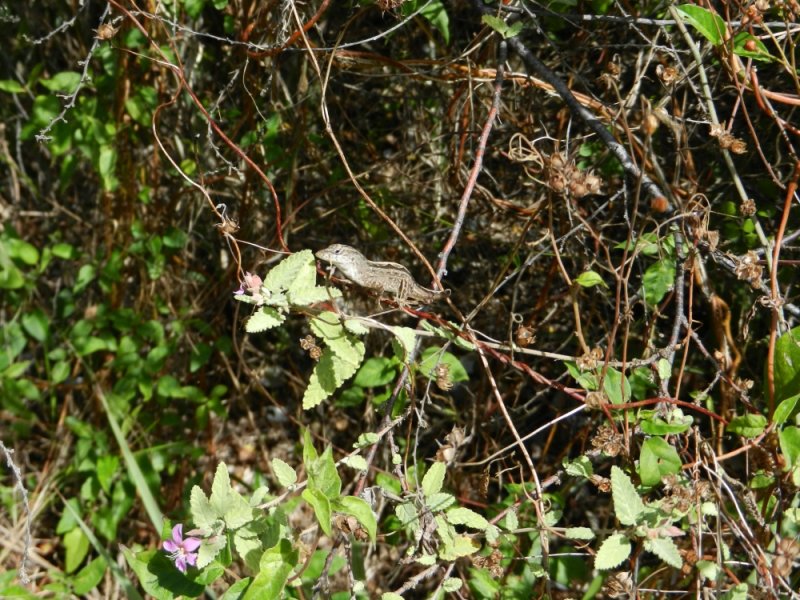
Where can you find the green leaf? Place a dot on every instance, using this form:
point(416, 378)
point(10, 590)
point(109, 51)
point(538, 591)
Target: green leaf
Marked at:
point(658, 279)
point(248, 544)
point(785, 410)
point(434, 478)
point(310, 453)
point(106, 469)
point(89, 576)
point(748, 426)
point(366, 439)
point(588, 381)
point(652, 424)
point(329, 327)
point(11, 86)
point(580, 467)
point(579, 533)
point(616, 386)
point(439, 501)
point(449, 334)
point(322, 475)
point(322, 508)
point(11, 278)
point(657, 460)
point(158, 576)
point(710, 25)
point(462, 546)
point(357, 462)
point(259, 495)
point(501, 27)
point(375, 372)
point(615, 549)
point(435, 14)
point(589, 279)
point(787, 366)
point(628, 506)
point(15, 370)
point(76, 546)
point(264, 318)
point(106, 167)
point(391, 596)
point(511, 520)
point(275, 566)
point(329, 374)
point(708, 569)
point(66, 81)
point(86, 274)
point(355, 326)
point(60, 372)
point(297, 271)
point(23, 251)
point(210, 549)
point(433, 356)
point(406, 339)
point(484, 585)
point(406, 513)
point(666, 550)
point(465, 516)
point(227, 502)
point(452, 585)
point(759, 51)
point(286, 475)
point(361, 510)
point(664, 369)
point(790, 445)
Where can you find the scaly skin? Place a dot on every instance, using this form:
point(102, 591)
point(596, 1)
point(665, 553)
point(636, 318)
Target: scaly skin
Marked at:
point(386, 277)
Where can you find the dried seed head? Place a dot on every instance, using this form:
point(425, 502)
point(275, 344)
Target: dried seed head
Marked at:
point(577, 189)
point(650, 123)
point(557, 182)
point(525, 336)
point(620, 585)
point(557, 160)
point(748, 207)
point(738, 146)
point(592, 183)
point(595, 400)
point(667, 75)
point(309, 343)
point(106, 31)
point(749, 270)
point(443, 379)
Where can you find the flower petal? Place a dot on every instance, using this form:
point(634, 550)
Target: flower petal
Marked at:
point(177, 533)
point(191, 558)
point(180, 563)
point(191, 544)
point(170, 546)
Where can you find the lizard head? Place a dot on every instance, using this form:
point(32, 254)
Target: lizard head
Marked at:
point(334, 252)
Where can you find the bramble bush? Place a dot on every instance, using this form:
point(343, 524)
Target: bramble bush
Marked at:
point(606, 403)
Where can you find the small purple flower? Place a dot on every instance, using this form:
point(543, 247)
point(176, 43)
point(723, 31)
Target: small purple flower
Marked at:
point(181, 551)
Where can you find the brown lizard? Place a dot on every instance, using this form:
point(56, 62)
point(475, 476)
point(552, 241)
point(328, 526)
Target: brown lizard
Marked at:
point(381, 276)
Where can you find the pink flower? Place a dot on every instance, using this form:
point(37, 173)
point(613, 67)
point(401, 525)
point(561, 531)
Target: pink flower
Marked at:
point(181, 551)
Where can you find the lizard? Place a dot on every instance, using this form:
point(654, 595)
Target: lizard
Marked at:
point(381, 276)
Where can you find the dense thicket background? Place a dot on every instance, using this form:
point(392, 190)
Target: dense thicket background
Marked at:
point(153, 152)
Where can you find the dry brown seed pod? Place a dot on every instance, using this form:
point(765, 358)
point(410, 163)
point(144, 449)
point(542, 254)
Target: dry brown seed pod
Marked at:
point(748, 207)
point(525, 336)
point(557, 160)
